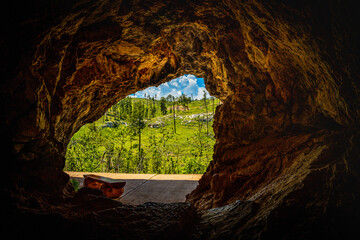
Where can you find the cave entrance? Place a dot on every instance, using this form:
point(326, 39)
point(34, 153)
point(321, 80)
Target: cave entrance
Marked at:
point(161, 136)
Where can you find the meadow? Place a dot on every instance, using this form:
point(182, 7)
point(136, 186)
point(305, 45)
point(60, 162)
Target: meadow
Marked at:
point(143, 135)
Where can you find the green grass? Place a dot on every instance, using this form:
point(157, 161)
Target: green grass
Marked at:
point(115, 149)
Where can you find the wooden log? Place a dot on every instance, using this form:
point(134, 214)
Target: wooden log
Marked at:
point(111, 188)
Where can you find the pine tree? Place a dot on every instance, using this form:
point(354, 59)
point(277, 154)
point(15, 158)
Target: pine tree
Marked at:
point(207, 122)
point(174, 115)
point(171, 98)
point(137, 123)
point(163, 105)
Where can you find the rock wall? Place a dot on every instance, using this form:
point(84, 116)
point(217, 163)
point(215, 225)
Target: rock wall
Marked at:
point(287, 74)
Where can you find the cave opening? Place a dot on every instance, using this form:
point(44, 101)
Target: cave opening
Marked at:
point(159, 130)
point(282, 71)
point(159, 133)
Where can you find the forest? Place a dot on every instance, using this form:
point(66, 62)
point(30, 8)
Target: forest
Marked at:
point(145, 135)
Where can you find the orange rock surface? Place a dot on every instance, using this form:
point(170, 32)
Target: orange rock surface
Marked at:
point(111, 188)
point(287, 138)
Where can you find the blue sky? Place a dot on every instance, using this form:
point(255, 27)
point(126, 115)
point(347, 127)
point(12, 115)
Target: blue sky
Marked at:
point(187, 84)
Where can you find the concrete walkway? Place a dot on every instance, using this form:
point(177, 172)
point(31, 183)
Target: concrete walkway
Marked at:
point(141, 188)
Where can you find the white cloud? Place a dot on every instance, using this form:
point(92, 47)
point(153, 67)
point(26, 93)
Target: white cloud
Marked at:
point(187, 84)
point(201, 93)
point(174, 84)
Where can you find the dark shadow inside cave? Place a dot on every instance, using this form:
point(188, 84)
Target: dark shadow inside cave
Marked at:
point(283, 72)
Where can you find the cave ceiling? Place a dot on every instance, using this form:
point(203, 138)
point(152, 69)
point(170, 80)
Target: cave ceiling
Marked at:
point(287, 74)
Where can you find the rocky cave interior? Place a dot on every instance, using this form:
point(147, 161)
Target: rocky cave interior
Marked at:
point(286, 159)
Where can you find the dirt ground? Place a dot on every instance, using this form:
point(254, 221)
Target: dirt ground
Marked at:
point(142, 188)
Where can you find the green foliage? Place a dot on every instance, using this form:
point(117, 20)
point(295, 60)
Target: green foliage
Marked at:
point(183, 100)
point(136, 118)
point(163, 105)
point(126, 143)
point(75, 183)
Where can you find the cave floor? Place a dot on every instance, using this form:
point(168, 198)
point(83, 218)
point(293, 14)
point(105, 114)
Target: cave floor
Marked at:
point(142, 188)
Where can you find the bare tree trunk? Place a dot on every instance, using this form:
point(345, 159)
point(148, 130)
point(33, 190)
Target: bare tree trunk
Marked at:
point(213, 106)
point(118, 162)
point(200, 142)
point(139, 145)
point(206, 111)
point(101, 160)
point(108, 163)
point(174, 116)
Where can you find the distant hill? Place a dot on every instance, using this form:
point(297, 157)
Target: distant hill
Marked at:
point(179, 108)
